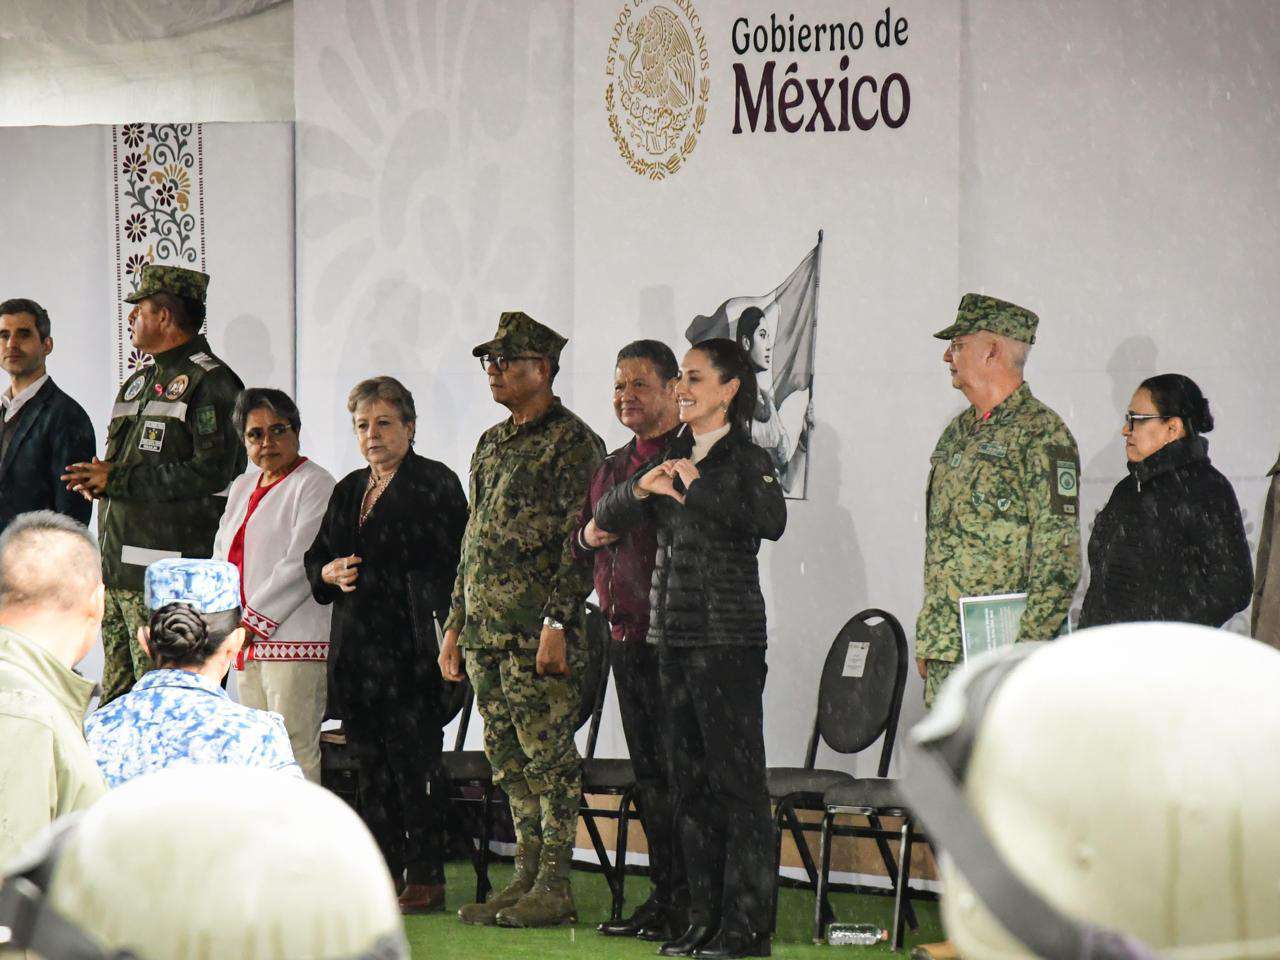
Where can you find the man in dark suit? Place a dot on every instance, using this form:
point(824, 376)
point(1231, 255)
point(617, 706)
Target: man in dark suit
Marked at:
point(43, 428)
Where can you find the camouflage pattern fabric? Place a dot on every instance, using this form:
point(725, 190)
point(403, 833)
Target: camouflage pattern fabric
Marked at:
point(978, 312)
point(527, 484)
point(529, 723)
point(179, 281)
point(935, 674)
point(123, 659)
point(1002, 517)
point(519, 334)
point(209, 586)
point(173, 450)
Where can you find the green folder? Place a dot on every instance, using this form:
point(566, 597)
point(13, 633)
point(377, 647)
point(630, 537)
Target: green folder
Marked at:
point(990, 623)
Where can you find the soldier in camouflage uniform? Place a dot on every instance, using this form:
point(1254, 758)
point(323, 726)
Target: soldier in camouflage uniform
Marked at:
point(171, 450)
point(1002, 506)
point(516, 611)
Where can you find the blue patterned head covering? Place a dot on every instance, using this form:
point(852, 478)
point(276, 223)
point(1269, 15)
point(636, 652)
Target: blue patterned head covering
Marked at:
point(208, 586)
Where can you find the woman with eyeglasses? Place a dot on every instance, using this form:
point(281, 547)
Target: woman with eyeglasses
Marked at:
point(385, 557)
point(1170, 543)
point(273, 512)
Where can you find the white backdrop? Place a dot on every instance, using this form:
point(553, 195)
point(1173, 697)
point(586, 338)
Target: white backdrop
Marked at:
point(1112, 166)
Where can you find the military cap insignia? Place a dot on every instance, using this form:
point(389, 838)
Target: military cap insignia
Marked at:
point(768, 478)
point(177, 388)
point(135, 386)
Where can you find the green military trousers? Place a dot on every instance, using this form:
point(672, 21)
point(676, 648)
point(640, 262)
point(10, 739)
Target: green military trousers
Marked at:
point(123, 660)
point(529, 723)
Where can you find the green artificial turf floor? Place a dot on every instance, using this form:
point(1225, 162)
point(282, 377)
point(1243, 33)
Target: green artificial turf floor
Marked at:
point(441, 936)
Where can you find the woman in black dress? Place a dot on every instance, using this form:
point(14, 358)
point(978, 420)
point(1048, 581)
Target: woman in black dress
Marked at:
point(1170, 543)
point(713, 495)
point(385, 557)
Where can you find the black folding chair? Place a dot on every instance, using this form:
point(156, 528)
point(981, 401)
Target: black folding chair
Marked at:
point(604, 776)
point(859, 699)
point(470, 769)
point(871, 798)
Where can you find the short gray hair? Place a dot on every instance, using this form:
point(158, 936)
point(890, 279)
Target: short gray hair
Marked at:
point(1015, 350)
point(47, 561)
point(383, 388)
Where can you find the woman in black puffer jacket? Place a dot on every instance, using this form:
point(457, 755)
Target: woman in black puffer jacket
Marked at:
point(713, 495)
point(1170, 543)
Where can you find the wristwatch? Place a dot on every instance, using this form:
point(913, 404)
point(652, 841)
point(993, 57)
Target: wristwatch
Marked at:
point(553, 623)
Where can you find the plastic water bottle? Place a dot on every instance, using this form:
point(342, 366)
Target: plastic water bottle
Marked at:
point(855, 934)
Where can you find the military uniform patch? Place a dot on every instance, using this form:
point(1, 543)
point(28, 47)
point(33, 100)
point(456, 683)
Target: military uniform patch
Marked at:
point(989, 449)
point(204, 361)
point(135, 386)
point(206, 421)
point(1066, 482)
point(152, 436)
point(177, 388)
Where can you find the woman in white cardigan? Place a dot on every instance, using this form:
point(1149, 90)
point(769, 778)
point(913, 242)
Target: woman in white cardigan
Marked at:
point(273, 512)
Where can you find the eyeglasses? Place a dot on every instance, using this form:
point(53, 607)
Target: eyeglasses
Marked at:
point(256, 435)
point(1130, 418)
point(502, 361)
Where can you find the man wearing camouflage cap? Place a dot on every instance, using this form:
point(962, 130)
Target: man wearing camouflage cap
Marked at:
point(516, 610)
point(171, 451)
point(1001, 505)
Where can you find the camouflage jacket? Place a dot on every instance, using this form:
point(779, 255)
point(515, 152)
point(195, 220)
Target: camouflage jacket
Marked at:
point(527, 484)
point(174, 450)
point(1003, 516)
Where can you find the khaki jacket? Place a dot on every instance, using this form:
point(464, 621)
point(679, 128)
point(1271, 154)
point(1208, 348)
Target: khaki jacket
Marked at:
point(45, 766)
point(1266, 578)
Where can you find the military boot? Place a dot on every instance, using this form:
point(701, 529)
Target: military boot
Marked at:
point(550, 902)
point(528, 856)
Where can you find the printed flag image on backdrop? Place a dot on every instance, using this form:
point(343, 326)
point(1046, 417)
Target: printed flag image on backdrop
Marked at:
point(778, 330)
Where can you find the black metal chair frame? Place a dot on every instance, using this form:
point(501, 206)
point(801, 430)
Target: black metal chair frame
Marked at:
point(906, 835)
point(595, 784)
point(786, 806)
point(472, 758)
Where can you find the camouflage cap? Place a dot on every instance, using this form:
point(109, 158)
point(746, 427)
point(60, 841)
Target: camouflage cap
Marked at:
point(179, 281)
point(519, 333)
point(979, 312)
point(209, 586)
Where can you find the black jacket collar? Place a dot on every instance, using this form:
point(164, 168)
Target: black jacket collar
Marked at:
point(1172, 456)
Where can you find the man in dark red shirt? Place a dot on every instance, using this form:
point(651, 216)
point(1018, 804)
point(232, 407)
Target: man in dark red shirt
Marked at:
point(645, 403)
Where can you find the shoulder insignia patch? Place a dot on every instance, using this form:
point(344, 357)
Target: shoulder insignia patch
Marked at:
point(135, 386)
point(1064, 481)
point(206, 421)
point(204, 361)
point(177, 387)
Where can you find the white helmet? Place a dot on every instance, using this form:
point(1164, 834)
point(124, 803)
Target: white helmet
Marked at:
point(216, 863)
point(1112, 794)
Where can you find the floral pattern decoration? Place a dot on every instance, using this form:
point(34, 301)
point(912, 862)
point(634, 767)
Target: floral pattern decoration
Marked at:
point(159, 213)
